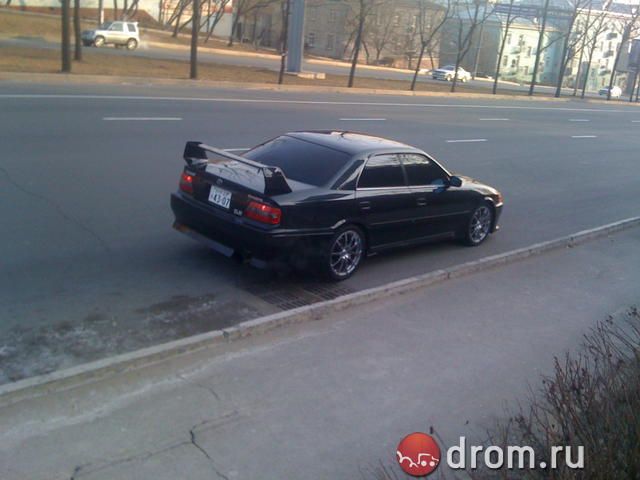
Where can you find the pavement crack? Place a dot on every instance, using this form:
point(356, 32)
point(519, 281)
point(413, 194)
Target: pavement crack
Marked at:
point(206, 454)
point(201, 385)
point(56, 206)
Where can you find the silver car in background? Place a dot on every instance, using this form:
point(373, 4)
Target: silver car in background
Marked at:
point(448, 72)
point(119, 33)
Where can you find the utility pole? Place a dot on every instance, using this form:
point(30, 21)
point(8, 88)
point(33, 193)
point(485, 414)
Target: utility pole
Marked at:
point(295, 36)
point(539, 48)
point(66, 38)
point(195, 30)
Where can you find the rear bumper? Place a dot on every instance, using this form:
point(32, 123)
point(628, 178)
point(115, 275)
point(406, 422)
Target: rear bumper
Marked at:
point(234, 236)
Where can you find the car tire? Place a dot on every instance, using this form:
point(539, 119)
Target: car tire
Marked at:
point(344, 253)
point(448, 78)
point(132, 44)
point(98, 41)
point(463, 80)
point(479, 225)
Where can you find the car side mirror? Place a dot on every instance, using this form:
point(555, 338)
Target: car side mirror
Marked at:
point(455, 181)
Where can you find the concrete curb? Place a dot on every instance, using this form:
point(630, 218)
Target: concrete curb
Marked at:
point(91, 372)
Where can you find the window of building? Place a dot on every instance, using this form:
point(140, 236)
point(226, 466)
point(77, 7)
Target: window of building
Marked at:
point(525, 70)
point(382, 171)
point(330, 42)
point(514, 63)
point(529, 50)
point(311, 38)
point(505, 61)
point(509, 39)
point(333, 16)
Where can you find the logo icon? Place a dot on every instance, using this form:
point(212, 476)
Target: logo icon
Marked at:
point(418, 454)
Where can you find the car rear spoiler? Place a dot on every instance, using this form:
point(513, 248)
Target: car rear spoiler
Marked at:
point(275, 183)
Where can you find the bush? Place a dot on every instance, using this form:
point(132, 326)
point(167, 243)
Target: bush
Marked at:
point(591, 400)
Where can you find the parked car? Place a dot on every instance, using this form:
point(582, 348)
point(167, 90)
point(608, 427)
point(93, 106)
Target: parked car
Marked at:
point(448, 72)
point(113, 33)
point(324, 200)
point(616, 91)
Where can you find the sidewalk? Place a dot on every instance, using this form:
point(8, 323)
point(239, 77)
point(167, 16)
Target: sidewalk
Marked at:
point(331, 399)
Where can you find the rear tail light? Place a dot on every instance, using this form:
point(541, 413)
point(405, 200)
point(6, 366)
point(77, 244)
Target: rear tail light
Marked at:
point(261, 212)
point(186, 183)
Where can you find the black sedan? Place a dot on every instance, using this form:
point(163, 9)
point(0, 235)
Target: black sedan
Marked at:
point(324, 200)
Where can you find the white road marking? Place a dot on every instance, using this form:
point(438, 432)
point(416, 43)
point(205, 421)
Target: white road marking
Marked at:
point(141, 119)
point(494, 119)
point(304, 102)
point(236, 149)
point(579, 120)
point(363, 119)
point(584, 136)
point(469, 140)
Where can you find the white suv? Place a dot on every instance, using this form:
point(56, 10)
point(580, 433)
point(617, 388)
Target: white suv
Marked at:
point(113, 33)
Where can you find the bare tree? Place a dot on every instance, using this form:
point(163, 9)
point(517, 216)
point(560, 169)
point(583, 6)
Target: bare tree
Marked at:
point(630, 29)
point(66, 37)
point(214, 16)
point(362, 11)
point(539, 48)
point(511, 18)
point(430, 20)
point(571, 38)
point(242, 8)
point(77, 30)
point(379, 28)
point(469, 17)
point(115, 9)
point(195, 31)
point(598, 26)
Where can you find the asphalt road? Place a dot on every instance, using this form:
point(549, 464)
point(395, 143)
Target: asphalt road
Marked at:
point(273, 63)
point(91, 266)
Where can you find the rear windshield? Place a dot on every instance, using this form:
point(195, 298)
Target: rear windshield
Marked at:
point(300, 160)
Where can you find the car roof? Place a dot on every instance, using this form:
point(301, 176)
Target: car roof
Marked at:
point(349, 142)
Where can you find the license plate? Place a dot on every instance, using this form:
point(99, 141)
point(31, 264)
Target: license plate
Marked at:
point(220, 197)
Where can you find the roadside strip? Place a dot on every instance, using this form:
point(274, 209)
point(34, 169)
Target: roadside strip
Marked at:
point(102, 369)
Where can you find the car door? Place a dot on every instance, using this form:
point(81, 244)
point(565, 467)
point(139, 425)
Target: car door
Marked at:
point(116, 33)
point(441, 209)
point(385, 203)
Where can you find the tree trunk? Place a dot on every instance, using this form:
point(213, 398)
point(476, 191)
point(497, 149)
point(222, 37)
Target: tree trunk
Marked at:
point(418, 64)
point(356, 50)
point(283, 42)
point(536, 65)
point(66, 37)
point(77, 30)
point(115, 9)
point(586, 78)
point(195, 30)
point(564, 59)
point(234, 27)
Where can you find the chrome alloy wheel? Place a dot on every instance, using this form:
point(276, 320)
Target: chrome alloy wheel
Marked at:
point(346, 253)
point(480, 224)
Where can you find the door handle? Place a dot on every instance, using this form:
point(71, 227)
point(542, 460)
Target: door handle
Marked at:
point(365, 205)
point(421, 201)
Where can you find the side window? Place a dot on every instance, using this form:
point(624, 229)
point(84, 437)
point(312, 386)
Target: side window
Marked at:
point(116, 27)
point(382, 171)
point(131, 27)
point(422, 171)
